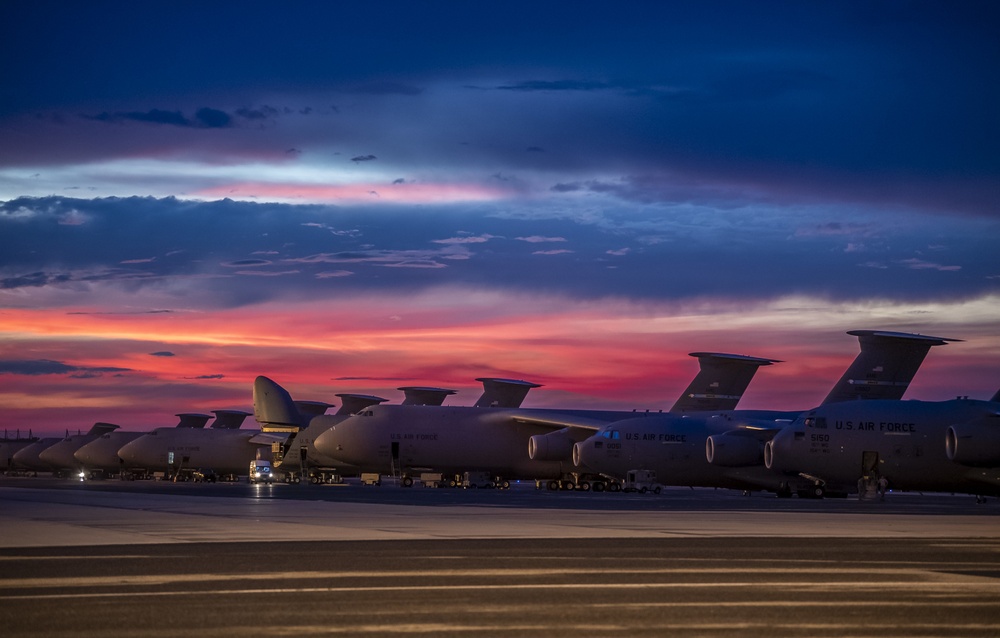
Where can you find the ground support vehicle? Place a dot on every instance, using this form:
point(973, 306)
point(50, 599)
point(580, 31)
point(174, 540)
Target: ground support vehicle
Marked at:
point(641, 481)
point(260, 472)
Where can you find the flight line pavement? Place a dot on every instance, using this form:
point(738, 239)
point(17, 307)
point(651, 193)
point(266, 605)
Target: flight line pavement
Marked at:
point(53, 512)
point(236, 560)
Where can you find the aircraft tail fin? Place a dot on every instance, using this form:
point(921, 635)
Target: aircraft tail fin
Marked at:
point(885, 366)
point(996, 397)
point(273, 406)
point(720, 383)
point(102, 428)
point(354, 403)
point(425, 396)
point(192, 420)
point(229, 419)
point(503, 393)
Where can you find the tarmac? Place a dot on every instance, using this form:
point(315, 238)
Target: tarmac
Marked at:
point(156, 559)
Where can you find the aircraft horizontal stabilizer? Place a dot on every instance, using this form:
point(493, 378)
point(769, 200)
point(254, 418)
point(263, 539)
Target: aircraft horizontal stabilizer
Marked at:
point(102, 428)
point(192, 419)
point(503, 393)
point(354, 403)
point(418, 395)
point(229, 419)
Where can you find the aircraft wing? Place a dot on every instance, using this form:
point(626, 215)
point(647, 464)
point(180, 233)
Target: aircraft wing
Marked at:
point(267, 438)
point(559, 421)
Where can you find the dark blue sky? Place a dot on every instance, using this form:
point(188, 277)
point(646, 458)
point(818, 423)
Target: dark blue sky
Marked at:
point(819, 166)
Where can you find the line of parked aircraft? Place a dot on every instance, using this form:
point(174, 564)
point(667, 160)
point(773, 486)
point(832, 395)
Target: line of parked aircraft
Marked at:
point(863, 434)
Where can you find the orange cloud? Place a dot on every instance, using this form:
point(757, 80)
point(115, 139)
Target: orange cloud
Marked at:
point(586, 354)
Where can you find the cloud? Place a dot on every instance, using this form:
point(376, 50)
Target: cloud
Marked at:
point(537, 239)
point(479, 239)
point(204, 117)
point(37, 367)
point(241, 253)
point(162, 353)
point(363, 158)
point(240, 263)
point(920, 264)
point(387, 88)
point(556, 85)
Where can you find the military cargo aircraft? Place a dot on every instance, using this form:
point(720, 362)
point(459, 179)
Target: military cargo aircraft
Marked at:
point(940, 446)
point(726, 449)
point(55, 454)
point(224, 447)
point(275, 410)
point(9, 446)
point(60, 456)
point(100, 457)
point(403, 440)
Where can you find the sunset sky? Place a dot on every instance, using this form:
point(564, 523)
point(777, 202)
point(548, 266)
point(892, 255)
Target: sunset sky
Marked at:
point(353, 197)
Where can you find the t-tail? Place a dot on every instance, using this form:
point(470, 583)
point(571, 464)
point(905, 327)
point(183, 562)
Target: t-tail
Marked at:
point(419, 395)
point(229, 419)
point(885, 366)
point(720, 383)
point(503, 393)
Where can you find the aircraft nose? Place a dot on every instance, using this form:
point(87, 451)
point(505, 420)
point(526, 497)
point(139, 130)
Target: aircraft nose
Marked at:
point(86, 454)
point(328, 443)
point(134, 451)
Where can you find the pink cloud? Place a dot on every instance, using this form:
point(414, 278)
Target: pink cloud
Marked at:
point(408, 193)
point(599, 355)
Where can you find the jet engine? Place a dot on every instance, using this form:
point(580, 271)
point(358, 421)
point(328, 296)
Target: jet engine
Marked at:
point(733, 450)
point(976, 443)
point(776, 456)
point(555, 446)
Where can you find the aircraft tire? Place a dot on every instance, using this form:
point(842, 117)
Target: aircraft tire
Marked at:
point(599, 487)
point(407, 481)
point(505, 485)
point(614, 487)
point(553, 485)
point(585, 486)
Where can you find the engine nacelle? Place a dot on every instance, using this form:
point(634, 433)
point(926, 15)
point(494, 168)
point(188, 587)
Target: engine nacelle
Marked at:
point(555, 446)
point(733, 450)
point(976, 443)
